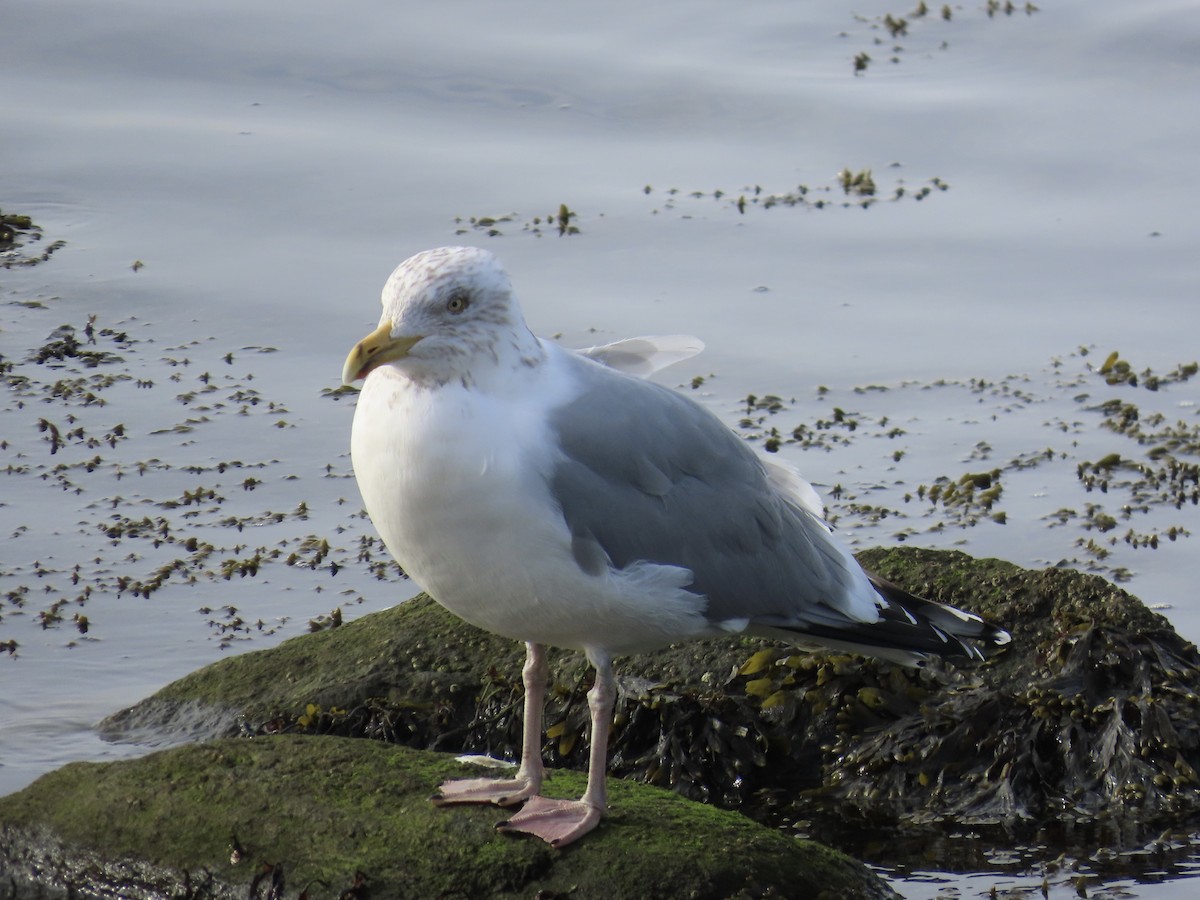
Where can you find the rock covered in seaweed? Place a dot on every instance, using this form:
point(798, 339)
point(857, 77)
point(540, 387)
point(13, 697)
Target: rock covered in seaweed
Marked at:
point(1089, 716)
point(1092, 716)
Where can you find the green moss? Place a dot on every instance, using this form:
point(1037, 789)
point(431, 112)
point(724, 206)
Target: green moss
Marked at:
point(402, 650)
point(326, 808)
point(1088, 716)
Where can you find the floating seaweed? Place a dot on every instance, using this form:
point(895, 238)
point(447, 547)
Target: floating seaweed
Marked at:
point(16, 231)
point(922, 37)
point(850, 190)
point(561, 221)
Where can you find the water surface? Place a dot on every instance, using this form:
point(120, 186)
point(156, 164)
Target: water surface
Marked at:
point(270, 165)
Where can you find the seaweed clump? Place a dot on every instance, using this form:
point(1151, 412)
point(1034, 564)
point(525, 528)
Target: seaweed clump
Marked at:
point(17, 230)
point(1090, 718)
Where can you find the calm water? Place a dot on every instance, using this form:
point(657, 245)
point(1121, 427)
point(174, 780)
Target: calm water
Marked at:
point(270, 165)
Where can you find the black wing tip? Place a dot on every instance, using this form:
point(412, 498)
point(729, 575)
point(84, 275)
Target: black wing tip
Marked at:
point(910, 631)
point(962, 633)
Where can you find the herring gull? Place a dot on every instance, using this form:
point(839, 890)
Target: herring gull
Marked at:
point(558, 498)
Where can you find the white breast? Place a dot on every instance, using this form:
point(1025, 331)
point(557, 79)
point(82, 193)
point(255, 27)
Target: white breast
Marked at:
point(455, 481)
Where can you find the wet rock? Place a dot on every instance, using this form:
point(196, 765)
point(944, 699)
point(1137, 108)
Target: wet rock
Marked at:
point(1089, 718)
point(332, 817)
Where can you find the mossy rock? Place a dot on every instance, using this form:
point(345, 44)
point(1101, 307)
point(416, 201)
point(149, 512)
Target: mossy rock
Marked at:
point(1091, 715)
point(322, 814)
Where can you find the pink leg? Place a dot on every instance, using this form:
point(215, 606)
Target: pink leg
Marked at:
point(528, 780)
point(559, 822)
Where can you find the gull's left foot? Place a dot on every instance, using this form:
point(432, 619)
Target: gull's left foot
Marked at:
point(557, 822)
point(484, 790)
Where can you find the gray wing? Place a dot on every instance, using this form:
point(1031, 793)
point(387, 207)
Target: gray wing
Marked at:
point(647, 474)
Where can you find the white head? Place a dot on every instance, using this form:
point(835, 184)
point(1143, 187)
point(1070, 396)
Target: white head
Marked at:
point(448, 314)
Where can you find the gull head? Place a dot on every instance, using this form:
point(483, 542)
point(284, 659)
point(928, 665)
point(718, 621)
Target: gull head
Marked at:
point(448, 314)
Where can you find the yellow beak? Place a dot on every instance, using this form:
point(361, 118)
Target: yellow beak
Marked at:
point(374, 350)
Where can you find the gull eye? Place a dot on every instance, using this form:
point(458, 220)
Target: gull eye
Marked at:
point(458, 302)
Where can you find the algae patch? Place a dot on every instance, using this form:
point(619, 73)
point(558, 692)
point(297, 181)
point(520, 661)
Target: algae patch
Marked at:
point(322, 814)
